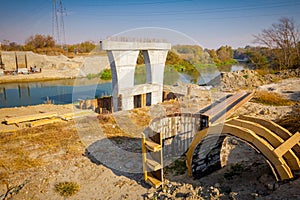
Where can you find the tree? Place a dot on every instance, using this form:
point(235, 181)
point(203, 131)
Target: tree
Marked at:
point(225, 54)
point(38, 41)
point(10, 46)
point(214, 56)
point(258, 57)
point(282, 38)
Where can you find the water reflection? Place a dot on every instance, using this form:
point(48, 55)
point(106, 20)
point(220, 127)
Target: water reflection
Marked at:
point(58, 91)
point(209, 73)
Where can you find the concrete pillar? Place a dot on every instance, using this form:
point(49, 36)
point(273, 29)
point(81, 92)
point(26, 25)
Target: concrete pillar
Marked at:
point(155, 66)
point(122, 65)
point(122, 57)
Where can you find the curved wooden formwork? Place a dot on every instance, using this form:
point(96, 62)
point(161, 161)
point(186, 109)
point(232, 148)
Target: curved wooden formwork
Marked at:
point(279, 146)
point(201, 135)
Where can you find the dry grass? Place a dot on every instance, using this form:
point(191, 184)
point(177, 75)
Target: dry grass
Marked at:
point(26, 148)
point(110, 127)
point(140, 116)
point(271, 98)
point(67, 189)
point(171, 106)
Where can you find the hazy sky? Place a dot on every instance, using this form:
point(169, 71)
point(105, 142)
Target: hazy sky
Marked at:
point(210, 23)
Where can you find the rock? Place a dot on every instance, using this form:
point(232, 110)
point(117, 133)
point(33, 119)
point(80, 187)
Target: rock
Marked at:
point(230, 81)
point(270, 186)
point(234, 141)
point(215, 192)
point(232, 195)
point(254, 194)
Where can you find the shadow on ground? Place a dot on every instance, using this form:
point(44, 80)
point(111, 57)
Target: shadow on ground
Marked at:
point(122, 155)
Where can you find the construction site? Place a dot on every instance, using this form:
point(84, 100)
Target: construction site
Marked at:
point(152, 141)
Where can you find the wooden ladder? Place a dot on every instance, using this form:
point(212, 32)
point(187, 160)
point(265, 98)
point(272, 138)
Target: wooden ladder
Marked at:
point(153, 159)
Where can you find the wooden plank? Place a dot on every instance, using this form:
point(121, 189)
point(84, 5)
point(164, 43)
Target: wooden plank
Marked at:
point(43, 122)
point(271, 137)
point(153, 181)
point(152, 146)
point(229, 112)
point(280, 131)
point(260, 130)
point(221, 106)
point(144, 156)
point(153, 165)
point(26, 118)
point(287, 145)
point(72, 115)
point(249, 136)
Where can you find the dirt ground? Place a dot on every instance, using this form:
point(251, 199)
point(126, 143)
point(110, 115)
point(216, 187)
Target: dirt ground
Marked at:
point(102, 155)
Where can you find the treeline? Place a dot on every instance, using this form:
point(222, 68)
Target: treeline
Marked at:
point(197, 55)
point(280, 47)
point(176, 62)
point(45, 44)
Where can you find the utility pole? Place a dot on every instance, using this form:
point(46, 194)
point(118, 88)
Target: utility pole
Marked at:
point(58, 26)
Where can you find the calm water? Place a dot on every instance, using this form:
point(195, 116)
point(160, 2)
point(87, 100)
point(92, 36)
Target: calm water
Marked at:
point(61, 92)
point(68, 91)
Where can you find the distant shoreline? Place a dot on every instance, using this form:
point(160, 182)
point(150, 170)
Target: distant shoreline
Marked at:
point(42, 79)
point(45, 75)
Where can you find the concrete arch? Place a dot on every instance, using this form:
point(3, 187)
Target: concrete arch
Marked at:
point(276, 150)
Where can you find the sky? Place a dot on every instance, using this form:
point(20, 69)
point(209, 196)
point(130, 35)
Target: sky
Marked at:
point(208, 23)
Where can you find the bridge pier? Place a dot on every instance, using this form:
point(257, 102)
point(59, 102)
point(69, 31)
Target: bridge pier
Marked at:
point(123, 57)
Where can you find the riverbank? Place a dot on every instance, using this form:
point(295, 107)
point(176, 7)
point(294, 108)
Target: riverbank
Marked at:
point(45, 75)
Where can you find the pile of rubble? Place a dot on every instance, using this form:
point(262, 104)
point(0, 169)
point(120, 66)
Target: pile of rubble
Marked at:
point(249, 79)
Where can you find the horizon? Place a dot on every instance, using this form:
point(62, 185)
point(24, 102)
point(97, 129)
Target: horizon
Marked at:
point(207, 24)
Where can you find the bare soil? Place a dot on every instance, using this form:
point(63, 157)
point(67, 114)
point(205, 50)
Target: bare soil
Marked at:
point(33, 160)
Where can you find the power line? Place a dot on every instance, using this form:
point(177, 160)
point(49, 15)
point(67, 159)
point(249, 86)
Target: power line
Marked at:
point(136, 3)
point(196, 12)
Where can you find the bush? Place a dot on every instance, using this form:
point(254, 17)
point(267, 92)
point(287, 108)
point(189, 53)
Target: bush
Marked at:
point(106, 74)
point(91, 76)
point(67, 189)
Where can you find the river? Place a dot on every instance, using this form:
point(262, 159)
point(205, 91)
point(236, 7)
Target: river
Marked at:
point(70, 90)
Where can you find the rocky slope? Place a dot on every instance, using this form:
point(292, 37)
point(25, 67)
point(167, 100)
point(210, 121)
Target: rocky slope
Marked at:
point(249, 79)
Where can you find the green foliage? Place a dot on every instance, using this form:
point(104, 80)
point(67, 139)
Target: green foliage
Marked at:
point(67, 189)
point(91, 76)
point(258, 57)
point(223, 56)
point(106, 74)
point(192, 53)
point(181, 65)
point(140, 59)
